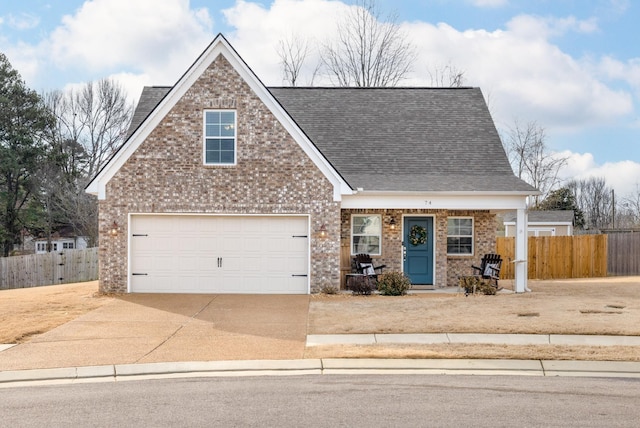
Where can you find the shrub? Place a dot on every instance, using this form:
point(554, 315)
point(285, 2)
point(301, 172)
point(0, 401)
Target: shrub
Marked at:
point(393, 284)
point(363, 285)
point(329, 289)
point(481, 286)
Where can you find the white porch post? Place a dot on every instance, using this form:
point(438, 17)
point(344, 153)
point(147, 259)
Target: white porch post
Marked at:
point(521, 251)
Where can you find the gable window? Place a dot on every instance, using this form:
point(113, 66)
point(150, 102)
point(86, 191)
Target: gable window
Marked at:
point(219, 137)
point(366, 234)
point(460, 235)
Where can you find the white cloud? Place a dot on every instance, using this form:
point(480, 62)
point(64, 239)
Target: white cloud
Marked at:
point(131, 83)
point(24, 58)
point(160, 38)
point(526, 75)
point(529, 26)
point(23, 21)
point(258, 30)
point(625, 71)
point(623, 176)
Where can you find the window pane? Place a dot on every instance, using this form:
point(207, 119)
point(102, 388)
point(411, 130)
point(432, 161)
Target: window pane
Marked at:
point(213, 144)
point(227, 130)
point(367, 225)
point(212, 157)
point(451, 228)
point(228, 117)
point(465, 230)
point(213, 117)
point(366, 244)
point(226, 157)
point(213, 130)
point(226, 144)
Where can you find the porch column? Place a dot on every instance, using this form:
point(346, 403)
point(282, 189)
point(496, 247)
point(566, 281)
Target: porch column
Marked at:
point(522, 220)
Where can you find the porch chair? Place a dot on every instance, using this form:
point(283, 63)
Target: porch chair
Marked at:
point(489, 268)
point(364, 265)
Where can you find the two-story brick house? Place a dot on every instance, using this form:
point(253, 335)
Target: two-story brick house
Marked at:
point(227, 186)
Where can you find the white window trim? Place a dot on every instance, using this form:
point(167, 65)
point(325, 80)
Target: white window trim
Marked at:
point(204, 137)
point(473, 234)
point(379, 253)
point(536, 231)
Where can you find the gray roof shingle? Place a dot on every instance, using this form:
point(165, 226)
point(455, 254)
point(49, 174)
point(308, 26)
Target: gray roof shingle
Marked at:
point(149, 99)
point(396, 139)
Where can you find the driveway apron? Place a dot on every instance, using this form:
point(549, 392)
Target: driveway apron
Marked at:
point(146, 328)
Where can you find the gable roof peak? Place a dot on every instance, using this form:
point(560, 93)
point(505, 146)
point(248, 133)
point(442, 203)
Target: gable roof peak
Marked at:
point(168, 96)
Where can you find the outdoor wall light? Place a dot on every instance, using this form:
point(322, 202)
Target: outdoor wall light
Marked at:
point(323, 231)
point(392, 223)
point(113, 231)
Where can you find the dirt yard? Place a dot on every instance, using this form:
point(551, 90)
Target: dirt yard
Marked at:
point(26, 312)
point(594, 306)
point(609, 306)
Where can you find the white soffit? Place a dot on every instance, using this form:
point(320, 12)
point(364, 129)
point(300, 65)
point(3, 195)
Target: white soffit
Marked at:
point(435, 201)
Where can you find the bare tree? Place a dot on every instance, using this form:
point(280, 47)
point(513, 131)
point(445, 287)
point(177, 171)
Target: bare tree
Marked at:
point(91, 123)
point(447, 76)
point(368, 51)
point(531, 159)
point(595, 199)
point(293, 52)
point(630, 210)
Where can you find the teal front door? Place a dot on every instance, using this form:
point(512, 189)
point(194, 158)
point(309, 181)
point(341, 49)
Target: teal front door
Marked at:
point(418, 249)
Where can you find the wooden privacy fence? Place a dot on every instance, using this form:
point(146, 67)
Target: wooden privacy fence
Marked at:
point(48, 269)
point(556, 257)
point(624, 254)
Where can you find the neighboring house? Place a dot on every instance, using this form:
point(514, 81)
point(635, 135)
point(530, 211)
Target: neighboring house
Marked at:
point(227, 186)
point(543, 223)
point(43, 246)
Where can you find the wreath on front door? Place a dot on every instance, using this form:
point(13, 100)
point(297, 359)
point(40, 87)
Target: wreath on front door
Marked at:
point(417, 235)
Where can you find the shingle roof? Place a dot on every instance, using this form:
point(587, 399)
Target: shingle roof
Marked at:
point(396, 139)
point(149, 99)
point(557, 216)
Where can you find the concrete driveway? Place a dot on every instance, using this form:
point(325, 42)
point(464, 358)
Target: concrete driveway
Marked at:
point(146, 328)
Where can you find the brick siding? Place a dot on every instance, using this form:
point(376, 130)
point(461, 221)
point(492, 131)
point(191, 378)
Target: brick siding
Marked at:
point(166, 175)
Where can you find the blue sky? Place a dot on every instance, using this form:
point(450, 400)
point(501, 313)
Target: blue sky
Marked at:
point(572, 66)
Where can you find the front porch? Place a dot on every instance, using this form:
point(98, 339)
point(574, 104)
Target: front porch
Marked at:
point(451, 250)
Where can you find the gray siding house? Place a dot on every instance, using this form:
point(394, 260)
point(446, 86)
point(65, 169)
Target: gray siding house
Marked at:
point(227, 186)
point(542, 223)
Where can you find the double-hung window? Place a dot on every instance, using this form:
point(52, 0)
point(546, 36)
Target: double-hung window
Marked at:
point(219, 137)
point(366, 234)
point(460, 235)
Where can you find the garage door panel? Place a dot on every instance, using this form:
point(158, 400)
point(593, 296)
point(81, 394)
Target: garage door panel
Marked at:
point(180, 253)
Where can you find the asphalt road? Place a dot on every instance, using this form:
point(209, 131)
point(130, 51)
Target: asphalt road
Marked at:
point(329, 401)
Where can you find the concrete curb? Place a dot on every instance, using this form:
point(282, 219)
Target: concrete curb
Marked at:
point(330, 366)
point(472, 338)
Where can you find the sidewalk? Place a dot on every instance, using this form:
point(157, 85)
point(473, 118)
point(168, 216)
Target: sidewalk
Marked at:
point(495, 339)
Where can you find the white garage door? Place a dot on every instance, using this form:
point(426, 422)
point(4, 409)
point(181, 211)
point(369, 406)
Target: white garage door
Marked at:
point(219, 254)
